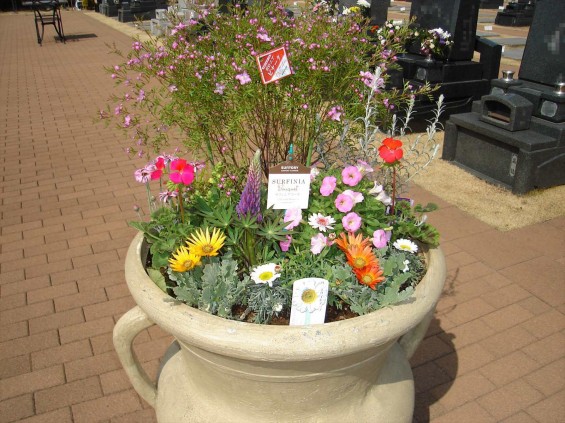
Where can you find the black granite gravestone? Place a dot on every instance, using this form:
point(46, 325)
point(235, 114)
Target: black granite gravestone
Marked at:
point(515, 136)
point(460, 79)
point(109, 8)
point(491, 4)
point(516, 13)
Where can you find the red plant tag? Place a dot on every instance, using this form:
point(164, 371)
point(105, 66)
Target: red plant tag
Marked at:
point(273, 65)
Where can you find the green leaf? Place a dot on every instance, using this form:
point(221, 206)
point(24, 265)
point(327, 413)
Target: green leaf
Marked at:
point(157, 277)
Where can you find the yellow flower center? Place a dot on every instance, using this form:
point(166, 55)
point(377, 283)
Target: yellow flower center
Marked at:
point(359, 262)
point(188, 264)
point(367, 279)
point(309, 296)
point(207, 249)
point(265, 276)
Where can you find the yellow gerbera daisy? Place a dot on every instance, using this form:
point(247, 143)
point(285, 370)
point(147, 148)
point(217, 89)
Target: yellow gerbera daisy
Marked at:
point(202, 244)
point(183, 260)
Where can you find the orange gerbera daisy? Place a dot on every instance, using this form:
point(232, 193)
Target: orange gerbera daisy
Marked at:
point(352, 240)
point(370, 276)
point(360, 256)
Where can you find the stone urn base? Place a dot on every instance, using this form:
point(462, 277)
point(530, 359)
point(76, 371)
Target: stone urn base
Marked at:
point(220, 370)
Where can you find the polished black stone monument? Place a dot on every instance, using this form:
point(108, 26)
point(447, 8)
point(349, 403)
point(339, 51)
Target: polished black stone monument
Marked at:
point(460, 79)
point(515, 136)
point(491, 4)
point(516, 13)
point(140, 10)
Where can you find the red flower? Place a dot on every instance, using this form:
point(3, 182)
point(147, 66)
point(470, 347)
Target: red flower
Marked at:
point(391, 150)
point(159, 166)
point(183, 172)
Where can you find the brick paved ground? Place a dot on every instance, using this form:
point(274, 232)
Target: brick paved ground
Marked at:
point(494, 352)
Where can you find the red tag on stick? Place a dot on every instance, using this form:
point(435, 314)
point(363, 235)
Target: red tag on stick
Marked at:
point(273, 65)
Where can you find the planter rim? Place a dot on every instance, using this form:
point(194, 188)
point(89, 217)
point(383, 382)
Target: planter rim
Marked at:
point(282, 343)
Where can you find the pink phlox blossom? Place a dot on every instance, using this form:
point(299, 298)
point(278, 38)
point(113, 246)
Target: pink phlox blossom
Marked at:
point(335, 113)
point(328, 186)
point(219, 88)
point(127, 121)
point(141, 96)
point(351, 176)
point(357, 197)
point(118, 109)
point(381, 238)
point(351, 222)
point(317, 243)
point(285, 245)
point(344, 203)
point(293, 217)
point(173, 88)
point(263, 35)
point(243, 78)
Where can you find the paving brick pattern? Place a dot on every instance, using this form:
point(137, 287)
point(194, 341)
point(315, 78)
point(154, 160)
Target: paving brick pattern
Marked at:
point(494, 352)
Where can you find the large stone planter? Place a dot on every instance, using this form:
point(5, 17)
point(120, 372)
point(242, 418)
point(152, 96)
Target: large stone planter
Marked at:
point(218, 370)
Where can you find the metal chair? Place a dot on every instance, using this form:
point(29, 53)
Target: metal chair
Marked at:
point(48, 13)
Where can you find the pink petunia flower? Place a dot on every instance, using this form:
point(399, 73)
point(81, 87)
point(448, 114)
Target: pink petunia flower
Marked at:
point(364, 167)
point(294, 216)
point(351, 176)
point(357, 197)
point(328, 186)
point(285, 245)
point(181, 172)
point(351, 222)
point(344, 203)
point(381, 238)
point(317, 243)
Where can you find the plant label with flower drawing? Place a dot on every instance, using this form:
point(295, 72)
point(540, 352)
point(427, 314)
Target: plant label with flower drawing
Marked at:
point(273, 65)
point(289, 186)
point(309, 301)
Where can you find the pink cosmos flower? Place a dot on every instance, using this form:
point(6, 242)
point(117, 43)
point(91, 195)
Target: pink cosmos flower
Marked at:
point(294, 216)
point(285, 245)
point(328, 185)
point(317, 243)
point(351, 222)
point(243, 78)
point(357, 197)
point(344, 203)
point(351, 176)
point(181, 172)
point(381, 238)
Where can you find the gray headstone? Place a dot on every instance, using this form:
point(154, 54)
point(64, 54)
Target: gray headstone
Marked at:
point(458, 17)
point(544, 55)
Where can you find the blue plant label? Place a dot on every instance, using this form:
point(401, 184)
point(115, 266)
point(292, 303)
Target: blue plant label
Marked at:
point(289, 186)
point(309, 301)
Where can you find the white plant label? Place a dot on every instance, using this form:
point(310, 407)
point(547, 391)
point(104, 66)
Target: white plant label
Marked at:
point(289, 186)
point(309, 301)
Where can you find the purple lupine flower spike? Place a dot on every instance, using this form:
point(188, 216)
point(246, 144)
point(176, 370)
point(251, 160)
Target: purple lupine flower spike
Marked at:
point(250, 201)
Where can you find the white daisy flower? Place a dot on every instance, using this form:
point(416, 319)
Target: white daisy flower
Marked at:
point(405, 245)
point(266, 273)
point(363, 3)
point(321, 222)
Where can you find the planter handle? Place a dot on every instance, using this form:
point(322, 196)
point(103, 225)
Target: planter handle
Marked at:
point(411, 340)
point(125, 331)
